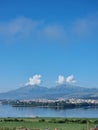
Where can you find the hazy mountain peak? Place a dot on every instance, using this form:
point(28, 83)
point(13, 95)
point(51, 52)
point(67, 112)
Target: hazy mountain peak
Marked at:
point(36, 91)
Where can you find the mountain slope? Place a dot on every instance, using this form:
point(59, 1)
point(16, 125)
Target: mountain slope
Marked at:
point(62, 91)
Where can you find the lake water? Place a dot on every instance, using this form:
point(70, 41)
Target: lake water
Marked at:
point(9, 111)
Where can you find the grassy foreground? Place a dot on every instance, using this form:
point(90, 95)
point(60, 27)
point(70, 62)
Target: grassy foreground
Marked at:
point(50, 123)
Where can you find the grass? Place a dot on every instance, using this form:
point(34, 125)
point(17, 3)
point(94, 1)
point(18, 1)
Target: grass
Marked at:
point(42, 123)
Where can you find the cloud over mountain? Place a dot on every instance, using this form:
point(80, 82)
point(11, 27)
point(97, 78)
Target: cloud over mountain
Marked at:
point(61, 79)
point(69, 79)
point(35, 80)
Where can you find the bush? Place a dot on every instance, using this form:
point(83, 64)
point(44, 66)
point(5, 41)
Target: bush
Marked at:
point(96, 121)
point(53, 121)
point(42, 120)
point(83, 121)
point(61, 121)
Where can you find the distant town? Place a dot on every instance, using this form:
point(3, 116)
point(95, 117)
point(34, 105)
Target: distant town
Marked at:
point(57, 103)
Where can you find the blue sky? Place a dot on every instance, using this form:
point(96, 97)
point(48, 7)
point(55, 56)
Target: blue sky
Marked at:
point(51, 39)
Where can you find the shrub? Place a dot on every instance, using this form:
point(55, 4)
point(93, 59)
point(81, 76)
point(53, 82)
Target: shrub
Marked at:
point(53, 121)
point(61, 121)
point(42, 120)
point(83, 121)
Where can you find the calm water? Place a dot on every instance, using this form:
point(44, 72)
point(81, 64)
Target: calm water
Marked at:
point(9, 111)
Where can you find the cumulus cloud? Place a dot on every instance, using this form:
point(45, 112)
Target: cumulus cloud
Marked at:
point(70, 79)
point(35, 80)
point(61, 79)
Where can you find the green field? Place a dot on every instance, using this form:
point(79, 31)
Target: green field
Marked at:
point(50, 123)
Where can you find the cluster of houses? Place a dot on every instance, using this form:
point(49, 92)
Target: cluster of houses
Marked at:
point(72, 100)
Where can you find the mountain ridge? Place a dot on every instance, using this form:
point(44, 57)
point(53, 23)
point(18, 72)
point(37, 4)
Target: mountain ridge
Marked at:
point(61, 91)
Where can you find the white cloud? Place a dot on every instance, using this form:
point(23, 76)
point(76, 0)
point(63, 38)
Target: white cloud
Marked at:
point(61, 79)
point(35, 80)
point(70, 79)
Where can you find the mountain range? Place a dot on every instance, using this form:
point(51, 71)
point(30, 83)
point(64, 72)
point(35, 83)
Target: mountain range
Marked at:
point(61, 91)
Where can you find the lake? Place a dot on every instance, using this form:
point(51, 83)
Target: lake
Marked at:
point(9, 111)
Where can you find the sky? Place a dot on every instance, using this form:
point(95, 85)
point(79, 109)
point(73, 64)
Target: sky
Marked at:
point(48, 42)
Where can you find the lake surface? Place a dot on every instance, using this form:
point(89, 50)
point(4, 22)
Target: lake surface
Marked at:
point(9, 111)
